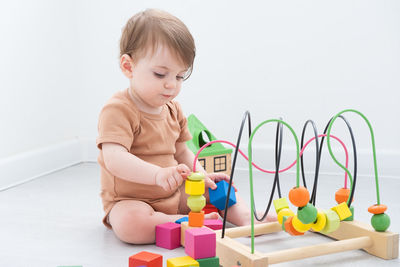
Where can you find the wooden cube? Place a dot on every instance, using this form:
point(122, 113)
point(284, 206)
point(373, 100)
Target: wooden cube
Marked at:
point(342, 210)
point(209, 262)
point(210, 208)
point(280, 204)
point(168, 235)
point(214, 224)
point(185, 261)
point(145, 258)
point(194, 187)
point(219, 195)
point(200, 243)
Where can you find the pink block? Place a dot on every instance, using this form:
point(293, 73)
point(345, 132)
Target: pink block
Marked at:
point(213, 224)
point(168, 235)
point(200, 243)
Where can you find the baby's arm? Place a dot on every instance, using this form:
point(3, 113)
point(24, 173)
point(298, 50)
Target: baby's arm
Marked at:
point(127, 166)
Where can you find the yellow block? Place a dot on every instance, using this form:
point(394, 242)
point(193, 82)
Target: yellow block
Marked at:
point(194, 187)
point(185, 261)
point(342, 210)
point(280, 204)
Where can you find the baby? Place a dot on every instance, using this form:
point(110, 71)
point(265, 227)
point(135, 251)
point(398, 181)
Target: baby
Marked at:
point(143, 133)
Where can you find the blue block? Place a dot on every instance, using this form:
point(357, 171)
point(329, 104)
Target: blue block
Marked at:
point(183, 219)
point(218, 196)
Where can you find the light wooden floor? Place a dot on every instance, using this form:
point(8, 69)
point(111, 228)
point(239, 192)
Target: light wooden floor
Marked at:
point(56, 220)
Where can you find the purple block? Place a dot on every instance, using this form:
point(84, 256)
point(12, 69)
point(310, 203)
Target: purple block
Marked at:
point(168, 235)
point(200, 243)
point(214, 224)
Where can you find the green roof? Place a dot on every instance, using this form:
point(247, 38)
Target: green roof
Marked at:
point(199, 132)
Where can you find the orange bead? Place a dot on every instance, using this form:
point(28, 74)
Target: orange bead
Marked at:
point(377, 209)
point(342, 195)
point(299, 196)
point(289, 227)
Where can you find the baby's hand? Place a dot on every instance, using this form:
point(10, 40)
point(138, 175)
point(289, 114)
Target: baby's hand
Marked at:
point(212, 178)
point(171, 178)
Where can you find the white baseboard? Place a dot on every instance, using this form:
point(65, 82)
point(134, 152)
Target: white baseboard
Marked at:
point(33, 164)
point(26, 166)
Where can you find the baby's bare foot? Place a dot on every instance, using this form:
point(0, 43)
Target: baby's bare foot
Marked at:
point(211, 216)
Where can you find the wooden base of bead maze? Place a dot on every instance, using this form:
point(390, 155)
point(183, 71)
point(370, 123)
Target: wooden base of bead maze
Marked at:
point(350, 235)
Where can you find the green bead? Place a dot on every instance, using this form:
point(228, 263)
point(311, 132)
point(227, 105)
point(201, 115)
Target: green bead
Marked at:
point(284, 218)
point(351, 218)
point(196, 203)
point(196, 176)
point(380, 222)
point(332, 222)
point(307, 214)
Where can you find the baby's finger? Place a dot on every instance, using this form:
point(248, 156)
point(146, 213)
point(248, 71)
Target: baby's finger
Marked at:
point(183, 170)
point(210, 183)
point(219, 177)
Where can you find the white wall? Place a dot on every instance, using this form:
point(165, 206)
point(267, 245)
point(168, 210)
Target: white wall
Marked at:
point(296, 59)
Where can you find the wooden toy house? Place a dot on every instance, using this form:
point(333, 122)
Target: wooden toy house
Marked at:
point(214, 158)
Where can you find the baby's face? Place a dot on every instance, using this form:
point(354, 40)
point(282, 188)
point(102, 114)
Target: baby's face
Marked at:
point(157, 77)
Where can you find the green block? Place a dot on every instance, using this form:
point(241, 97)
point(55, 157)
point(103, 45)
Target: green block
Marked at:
point(209, 262)
point(280, 203)
point(196, 203)
point(351, 218)
point(283, 222)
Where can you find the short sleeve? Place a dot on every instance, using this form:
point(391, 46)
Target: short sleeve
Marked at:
point(117, 125)
point(184, 134)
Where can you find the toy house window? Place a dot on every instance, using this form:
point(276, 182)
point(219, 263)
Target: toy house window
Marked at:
point(220, 164)
point(203, 163)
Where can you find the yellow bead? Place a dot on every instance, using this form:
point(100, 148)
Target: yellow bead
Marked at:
point(342, 210)
point(299, 226)
point(194, 187)
point(284, 212)
point(280, 204)
point(320, 223)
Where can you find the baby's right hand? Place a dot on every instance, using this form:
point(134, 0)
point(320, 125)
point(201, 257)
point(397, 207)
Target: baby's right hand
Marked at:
point(171, 178)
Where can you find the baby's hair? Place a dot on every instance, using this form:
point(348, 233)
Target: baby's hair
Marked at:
point(152, 27)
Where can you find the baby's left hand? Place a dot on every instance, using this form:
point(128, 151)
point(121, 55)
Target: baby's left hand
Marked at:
point(212, 178)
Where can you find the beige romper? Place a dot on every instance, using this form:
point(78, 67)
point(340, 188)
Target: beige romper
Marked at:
point(151, 138)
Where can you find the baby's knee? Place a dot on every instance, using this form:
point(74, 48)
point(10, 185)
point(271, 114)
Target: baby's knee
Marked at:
point(133, 228)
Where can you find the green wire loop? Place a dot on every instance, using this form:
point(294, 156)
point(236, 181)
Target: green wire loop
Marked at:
point(328, 138)
point(251, 169)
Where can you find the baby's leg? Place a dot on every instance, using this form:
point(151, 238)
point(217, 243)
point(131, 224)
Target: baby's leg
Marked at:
point(135, 221)
point(240, 214)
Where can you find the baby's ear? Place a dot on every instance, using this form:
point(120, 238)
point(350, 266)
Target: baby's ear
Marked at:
point(126, 65)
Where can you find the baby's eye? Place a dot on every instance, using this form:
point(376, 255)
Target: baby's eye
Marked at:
point(180, 78)
point(159, 75)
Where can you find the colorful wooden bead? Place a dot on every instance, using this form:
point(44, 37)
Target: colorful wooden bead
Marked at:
point(342, 195)
point(299, 196)
point(284, 218)
point(307, 214)
point(380, 222)
point(196, 176)
point(280, 204)
point(320, 223)
point(299, 226)
point(289, 227)
point(332, 222)
point(377, 209)
point(342, 210)
point(351, 218)
point(196, 219)
point(194, 187)
point(284, 212)
point(196, 203)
